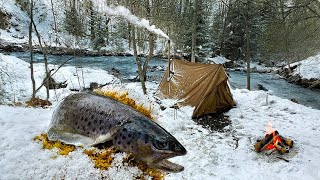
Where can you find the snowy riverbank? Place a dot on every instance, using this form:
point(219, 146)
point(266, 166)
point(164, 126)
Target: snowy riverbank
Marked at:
point(15, 74)
point(305, 73)
point(211, 155)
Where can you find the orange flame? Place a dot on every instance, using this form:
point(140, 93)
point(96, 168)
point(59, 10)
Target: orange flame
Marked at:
point(276, 139)
point(269, 128)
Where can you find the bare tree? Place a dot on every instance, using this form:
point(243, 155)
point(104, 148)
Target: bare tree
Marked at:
point(54, 21)
point(31, 52)
point(194, 30)
point(138, 60)
point(44, 52)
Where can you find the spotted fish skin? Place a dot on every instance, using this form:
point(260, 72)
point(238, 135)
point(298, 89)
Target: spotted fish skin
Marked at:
point(89, 119)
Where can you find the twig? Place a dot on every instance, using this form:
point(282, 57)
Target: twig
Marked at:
point(286, 160)
point(61, 66)
point(237, 143)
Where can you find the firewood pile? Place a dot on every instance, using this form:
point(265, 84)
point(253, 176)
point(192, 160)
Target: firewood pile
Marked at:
point(274, 141)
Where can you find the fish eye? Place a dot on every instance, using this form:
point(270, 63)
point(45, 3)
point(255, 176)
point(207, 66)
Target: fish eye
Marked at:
point(160, 144)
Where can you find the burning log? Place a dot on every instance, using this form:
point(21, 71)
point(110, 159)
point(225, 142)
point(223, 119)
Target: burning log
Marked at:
point(287, 141)
point(274, 141)
point(263, 143)
point(281, 149)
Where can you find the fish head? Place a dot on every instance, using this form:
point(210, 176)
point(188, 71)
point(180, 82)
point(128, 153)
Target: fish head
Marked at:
point(150, 144)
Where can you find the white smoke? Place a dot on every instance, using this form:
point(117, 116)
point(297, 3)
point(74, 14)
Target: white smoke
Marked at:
point(123, 12)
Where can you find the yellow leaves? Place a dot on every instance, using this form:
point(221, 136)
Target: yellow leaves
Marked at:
point(18, 104)
point(36, 102)
point(123, 98)
point(102, 158)
point(152, 172)
point(63, 149)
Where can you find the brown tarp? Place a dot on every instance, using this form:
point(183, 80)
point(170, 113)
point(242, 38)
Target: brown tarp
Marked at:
point(203, 86)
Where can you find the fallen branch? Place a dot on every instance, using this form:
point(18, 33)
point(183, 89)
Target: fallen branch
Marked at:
point(53, 73)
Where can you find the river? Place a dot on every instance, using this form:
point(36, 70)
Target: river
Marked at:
point(128, 69)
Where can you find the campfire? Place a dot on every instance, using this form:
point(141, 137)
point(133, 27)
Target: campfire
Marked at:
point(273, 141)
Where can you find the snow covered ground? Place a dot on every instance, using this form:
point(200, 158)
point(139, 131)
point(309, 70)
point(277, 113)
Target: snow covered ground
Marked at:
point(308, 68)
point(17, 80)
point(211, 155)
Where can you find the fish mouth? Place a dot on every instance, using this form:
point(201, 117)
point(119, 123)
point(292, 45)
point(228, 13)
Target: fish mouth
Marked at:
point(168, 166)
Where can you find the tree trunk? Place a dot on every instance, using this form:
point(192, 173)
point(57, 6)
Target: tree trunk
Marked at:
point(248, 53)
point(55, 22)
point(31, 52)
point(92, 22)
point(151, 45)
point(285, 35)
point(194, 32)
point(129, 35)
point(224, 11)
point(138, 60)
point(150, 55)
point(44, 52)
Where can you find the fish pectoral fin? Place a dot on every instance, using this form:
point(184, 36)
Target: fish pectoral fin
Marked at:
point(69, 138)
point(106, 137)
point(102, 139)
point(168, 166)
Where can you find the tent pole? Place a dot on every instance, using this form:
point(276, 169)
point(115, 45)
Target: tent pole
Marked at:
point(169, 58)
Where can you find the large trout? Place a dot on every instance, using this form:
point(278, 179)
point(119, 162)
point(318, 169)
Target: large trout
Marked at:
point(89, 119)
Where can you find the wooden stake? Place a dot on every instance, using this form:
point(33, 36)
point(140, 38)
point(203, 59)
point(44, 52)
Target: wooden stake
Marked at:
point(169, 69)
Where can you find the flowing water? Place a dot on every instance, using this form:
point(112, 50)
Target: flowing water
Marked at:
point(125, 65)
point(277, 86)
point(128, 69)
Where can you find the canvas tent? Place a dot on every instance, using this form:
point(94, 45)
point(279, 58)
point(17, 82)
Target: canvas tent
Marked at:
point(203, 86)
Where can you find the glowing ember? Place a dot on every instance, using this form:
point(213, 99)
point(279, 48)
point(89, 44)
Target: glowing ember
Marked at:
point(275, 140)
